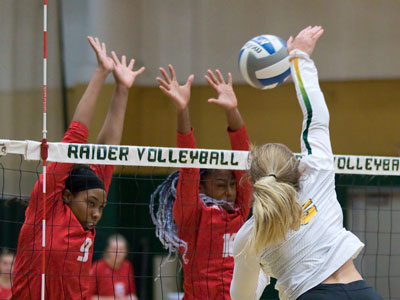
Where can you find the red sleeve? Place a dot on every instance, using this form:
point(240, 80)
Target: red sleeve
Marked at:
point(76, 133)
point(187, 205)
point(57, 173)
point(132, 286)
point(104, 172)
point(240, 141)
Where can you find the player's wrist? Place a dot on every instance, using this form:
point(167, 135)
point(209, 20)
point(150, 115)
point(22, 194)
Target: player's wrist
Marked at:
point(232, 110)
point(297, 53)
point(121, 88)
point(102, 71)
point(181, 107)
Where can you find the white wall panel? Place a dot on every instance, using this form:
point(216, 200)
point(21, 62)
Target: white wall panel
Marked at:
point(360, 40)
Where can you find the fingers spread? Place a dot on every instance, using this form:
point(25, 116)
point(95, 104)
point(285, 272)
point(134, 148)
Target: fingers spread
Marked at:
point(92, 43)
point(165, 91)
point(131, 64)
point(163, 83)
point(166, 76)
point(172, 71)
point(212, 77)
point(190, 80)
point(220, 77)
point(210, 82)
point(115, 58)
point(140, 71)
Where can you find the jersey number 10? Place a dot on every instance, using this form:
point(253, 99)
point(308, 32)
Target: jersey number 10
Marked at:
point(228, 244)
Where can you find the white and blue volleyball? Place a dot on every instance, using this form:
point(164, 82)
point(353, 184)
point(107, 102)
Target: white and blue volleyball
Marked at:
point(264, 62)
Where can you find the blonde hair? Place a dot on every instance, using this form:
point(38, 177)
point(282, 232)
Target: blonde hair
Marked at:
point(275, 178)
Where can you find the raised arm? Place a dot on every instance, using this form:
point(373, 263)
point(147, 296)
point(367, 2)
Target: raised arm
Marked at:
point(187, 203)
point(78, 130)
point(226, 99)
point(85, 109)
point(180, 96)
point(315, 138)
point(236, 129)
point(124, 76)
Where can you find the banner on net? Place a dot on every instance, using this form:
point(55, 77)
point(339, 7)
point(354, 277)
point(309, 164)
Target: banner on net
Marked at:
point(181, 157)
point(147, 156)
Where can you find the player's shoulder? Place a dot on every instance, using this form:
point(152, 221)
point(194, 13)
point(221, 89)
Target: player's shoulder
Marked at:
point(316, 162)
point(242, 236)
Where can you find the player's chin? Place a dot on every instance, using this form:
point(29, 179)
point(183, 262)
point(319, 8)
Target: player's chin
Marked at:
point(88, 225)
point(228, 207)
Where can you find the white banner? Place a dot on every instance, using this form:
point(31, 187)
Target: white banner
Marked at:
point(180, 157)
point(147, 156)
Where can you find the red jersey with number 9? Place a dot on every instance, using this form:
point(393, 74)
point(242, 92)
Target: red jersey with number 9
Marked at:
point(69, 248)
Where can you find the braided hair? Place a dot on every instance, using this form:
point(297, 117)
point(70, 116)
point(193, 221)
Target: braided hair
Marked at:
point(166, 229)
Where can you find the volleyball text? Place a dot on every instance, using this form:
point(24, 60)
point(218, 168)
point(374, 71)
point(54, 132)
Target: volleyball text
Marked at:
point(184, 156)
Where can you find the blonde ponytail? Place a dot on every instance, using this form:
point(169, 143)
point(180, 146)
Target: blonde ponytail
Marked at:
point(275, 178)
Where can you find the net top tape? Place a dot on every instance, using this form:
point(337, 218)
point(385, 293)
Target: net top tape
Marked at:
point(180, 157)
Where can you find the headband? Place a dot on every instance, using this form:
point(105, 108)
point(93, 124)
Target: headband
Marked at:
point(83, 178)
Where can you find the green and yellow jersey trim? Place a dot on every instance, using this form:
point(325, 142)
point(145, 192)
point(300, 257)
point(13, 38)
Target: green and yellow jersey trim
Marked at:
point(307, 103)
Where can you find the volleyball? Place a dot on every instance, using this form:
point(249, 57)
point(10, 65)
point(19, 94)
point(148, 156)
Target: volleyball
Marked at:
point(264, 62)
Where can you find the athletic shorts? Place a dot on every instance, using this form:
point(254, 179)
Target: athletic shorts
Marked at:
point(356, 290)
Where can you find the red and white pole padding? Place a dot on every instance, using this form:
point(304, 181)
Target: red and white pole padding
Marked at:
point(44, 150)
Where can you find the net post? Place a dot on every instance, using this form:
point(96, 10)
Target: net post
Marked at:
point(44, 151)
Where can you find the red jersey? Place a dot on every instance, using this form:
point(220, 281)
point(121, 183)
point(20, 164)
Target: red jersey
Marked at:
point(209, 230)
point(107, 281)
point(5, 293)
point(69, 248)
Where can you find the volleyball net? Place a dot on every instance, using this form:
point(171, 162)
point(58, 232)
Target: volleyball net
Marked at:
point(368, 190)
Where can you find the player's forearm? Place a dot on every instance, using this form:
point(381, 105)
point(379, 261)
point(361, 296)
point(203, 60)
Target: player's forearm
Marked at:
point(85, 109)
point(309, 94)
point(315, 132)
point(234, 118)
point(111, 132)
point(183, 121)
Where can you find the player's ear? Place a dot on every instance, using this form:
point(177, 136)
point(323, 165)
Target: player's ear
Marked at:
point(67, 196)
point(300, 173)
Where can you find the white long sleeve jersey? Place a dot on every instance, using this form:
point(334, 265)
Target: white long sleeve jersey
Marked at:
point(321, 245)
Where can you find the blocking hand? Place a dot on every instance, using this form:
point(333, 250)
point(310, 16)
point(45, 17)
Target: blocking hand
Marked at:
point(124, 74)
point(305, 40)
point(226, 96)
point(180, 94)
point(104, 62)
